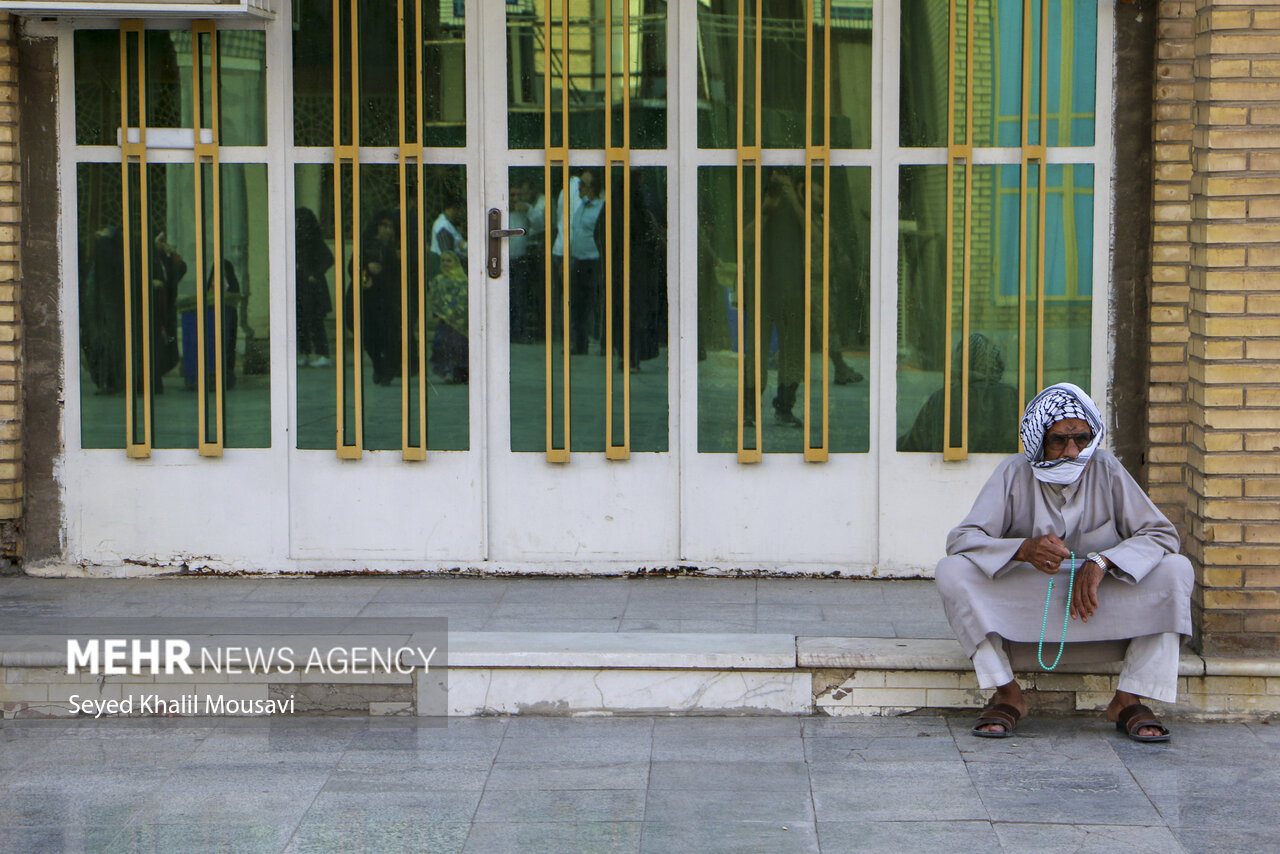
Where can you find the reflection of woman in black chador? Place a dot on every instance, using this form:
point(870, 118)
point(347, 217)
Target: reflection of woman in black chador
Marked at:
point(313, 259)
point(648, 271)
point(380, 295)
point(102, 311)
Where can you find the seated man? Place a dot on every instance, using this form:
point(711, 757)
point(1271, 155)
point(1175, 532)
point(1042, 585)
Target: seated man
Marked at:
point(1068, 496)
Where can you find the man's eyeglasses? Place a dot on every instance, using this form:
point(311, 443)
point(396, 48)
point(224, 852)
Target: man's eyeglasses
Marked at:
point(1058, 441)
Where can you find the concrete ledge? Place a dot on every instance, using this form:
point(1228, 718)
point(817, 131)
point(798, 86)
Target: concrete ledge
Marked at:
point(621, 650)
point(946, 655)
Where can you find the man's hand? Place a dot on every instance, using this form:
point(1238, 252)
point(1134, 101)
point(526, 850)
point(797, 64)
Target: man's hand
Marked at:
point(1084, 594)
point(1044, 553)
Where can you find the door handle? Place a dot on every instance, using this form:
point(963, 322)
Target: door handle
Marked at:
point(496, 235)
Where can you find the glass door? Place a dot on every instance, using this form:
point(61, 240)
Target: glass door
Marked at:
point(386, 446)
point(580, 359)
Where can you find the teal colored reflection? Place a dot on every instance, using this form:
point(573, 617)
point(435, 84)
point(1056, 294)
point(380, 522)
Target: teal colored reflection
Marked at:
point(782, 310)
point(324, 276)
point(994, 339)
point(588, 362)
point(997, 73)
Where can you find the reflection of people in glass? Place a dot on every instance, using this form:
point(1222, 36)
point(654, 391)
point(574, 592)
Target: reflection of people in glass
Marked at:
point(994, 400)
point(648, 309)
point(312, 260)
point(585, 273)
point(781, 282)
point(380, 296)
point(166, 269)
point(102, 311)
point(447, 296)
point(526, 260)
point(447, 233)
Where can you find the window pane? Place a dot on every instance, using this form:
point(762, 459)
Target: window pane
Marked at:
point(97, 59)
point(994, 341)
point(588, 75)
point(782, 308)
point(783, 77)
point(172, 289)
point(323, 275)
point(997, 95)
point(647, 361)
point(313, 74)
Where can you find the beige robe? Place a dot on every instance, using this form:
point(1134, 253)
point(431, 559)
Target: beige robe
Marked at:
point(986, 592)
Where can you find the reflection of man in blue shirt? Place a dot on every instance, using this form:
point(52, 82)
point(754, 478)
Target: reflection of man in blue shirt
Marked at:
point(585, 286)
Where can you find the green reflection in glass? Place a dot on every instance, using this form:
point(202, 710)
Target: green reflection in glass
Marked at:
point(994, 404)
point(997, 96)
point(588, 363)
point(783, 78)
point(323, 275)
point(172, 290)
point(441, 38)
point(242, 78)
point(313, 74)
point(782, 308)
point(526, 57)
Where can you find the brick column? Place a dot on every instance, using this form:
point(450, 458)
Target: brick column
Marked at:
point(1233, 434)
point(1174, 98)
point(10, 274)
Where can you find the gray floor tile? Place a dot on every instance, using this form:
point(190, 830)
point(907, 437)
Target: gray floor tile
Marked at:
point(894, 791)
point(68, 839)
point(678, 726)
point(923, 746)
point(429, 803)
point(377, 831)
point(587, 727)
point(823, 727)
point(729, 837)
point(560, 624)
point(610, 750)
point(70, 808)
point(1087, 839)
point(1055, 790)
point(686, 805)
point(657, 624)
point(729, 776)
point(553, 837)
point(1222, 838)
point(739, 749)
point(407, 776)
point(562, 805)
point(896, 837)
point(442, 590)
point(582, 775)
point(261, 836)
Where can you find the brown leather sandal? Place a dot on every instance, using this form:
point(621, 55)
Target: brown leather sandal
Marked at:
point(1135, 717)
point(998, 713)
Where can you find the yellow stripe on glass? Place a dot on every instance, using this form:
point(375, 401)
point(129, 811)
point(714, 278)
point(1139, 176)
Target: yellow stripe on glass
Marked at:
point(347, 155)
point(1033, 157)
point(557, 155)
point(817, 154)
point(410, 138)
point(133, 156)
point(617, 156)
point(959, 157)
point(749, 164)
point(204, 73)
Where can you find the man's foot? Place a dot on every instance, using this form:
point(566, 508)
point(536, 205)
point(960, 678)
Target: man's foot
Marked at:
point(786, 418)
point(1145, 731)
point(1007, 695)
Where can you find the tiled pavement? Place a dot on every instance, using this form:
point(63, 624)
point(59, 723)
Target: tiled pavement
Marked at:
point(669, 784)
point(672, 784)
point(809, 607)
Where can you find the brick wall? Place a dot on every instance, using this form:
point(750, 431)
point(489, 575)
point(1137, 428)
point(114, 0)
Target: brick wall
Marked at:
point(10, 273)
point(1214, 458)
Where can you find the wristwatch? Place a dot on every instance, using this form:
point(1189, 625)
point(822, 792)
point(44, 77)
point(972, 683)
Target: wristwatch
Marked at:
point(1102, 562)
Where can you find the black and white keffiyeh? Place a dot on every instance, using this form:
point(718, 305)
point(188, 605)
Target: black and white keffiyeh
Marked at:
point(1047, 408)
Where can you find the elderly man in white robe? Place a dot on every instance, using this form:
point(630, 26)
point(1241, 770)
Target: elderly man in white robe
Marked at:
point(1068, 501)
